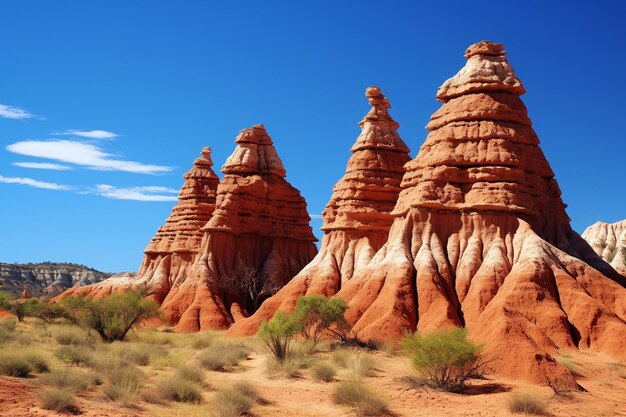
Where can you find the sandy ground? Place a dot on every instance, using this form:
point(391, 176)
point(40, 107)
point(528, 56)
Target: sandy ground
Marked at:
point(603, 379)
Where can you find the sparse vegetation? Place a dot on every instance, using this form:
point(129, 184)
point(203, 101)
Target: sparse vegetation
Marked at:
point(236, 400)
point(179, 390)
point(361, 365)
point(67, 379)
point(112, 317)
point(359, 396)
point(74, 355)
point(124, 383)
point(190, 374)
point(56, 399)
point(7, 329)
point(341, 358)
point(323, 371)
point(570, 365)
point(223, 355)
point(445, 359)
point(527, 403)
point(69, 335)
point(15, 364)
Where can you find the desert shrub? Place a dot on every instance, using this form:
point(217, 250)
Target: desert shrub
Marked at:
point(278, 335)
point(56, 399)
point(341, 358)
point(203, 341)
point(124, 383)
point(323, 371)
point(74, 355)
point(133, 355)
point(361, 365)
point(570, 365)
point(112, 317)
point(67, 379)
point(26, 308)
point(235, 401)
point(445, 359)
point(69, 335)
point(357, 395)
point(318, 316)
point(223, 355)
point(190, 374)
point(179, 390)
point(52, 313)
point(7, 329)
point(155, 337)
point(36, 358)
point(15, 364)
point(527, 403)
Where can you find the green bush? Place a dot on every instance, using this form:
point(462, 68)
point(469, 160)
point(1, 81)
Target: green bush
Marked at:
point(445, 359)
point(357, 395)
point(278, 335)
point(179, 390)
point(56, 399)
point(323, 371)
point(318, 316)
point(112, 317)
point(527, 403)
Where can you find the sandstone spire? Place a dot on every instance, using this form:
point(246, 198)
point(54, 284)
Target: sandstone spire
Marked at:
point(481, 239)
point(357, 218)
point(260, 226)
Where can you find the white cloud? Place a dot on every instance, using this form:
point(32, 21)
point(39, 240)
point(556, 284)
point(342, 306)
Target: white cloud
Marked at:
point(9, 112)
point(92, 134)
point(150, 193)
point(42, 165)
point(315, 216)
point(83, 154)
point(34, 183)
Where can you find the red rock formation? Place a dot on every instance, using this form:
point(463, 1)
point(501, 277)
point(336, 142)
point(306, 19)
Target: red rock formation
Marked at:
point(357, 218)
point(260, 223)
point(481, 239)
point(609, 242)
point(5, 314)
point(171, 251)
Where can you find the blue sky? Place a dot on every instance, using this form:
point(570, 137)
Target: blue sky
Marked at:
point(122, 95)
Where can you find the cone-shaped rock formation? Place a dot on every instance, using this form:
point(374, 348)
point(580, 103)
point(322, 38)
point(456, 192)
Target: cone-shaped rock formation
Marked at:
point(357, 218)
point(609, 242)
point(171, 251)
point(259, 232)
point(481, 239)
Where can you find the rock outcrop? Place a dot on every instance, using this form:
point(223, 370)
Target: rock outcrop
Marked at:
point(609, 242)
point(481, 239)
point(46, 278)
point(259, 235)
point(357, 218)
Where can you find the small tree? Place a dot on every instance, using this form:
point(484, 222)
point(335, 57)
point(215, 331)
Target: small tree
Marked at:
point(278, 335)
point(445, 359)
point(249, 287)
point(113, 316)
point(317, 315)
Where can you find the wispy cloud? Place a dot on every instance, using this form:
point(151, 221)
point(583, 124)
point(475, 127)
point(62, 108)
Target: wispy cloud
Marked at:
point(315, 216)
point(150, 193)
point(82, 154)
point(42, 165)
point(9, 112)
point(91, 134)
point(35, 183)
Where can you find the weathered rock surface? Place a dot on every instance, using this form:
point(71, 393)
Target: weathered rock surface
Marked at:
point(481, 239)
point(357, 218)
point(47, 278)
point(260, 223)
point(609, 242)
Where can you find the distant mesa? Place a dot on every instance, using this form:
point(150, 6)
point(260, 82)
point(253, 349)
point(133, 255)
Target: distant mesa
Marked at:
point(357, 218)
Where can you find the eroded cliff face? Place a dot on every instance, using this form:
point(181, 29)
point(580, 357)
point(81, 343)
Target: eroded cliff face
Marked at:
point(481, 239)
point(609, 242)
point(46, 279)
point(260, 224)
point(356, 219)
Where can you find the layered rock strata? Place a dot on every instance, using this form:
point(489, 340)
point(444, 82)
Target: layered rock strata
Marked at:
point(260, 227)
point(481, 239)
point(608, 240)
point(356, 219)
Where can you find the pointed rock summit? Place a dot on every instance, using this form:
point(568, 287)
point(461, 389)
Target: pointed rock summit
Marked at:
point(357, 218)
point(259, 232)
point(609, 242)
point(481, 239)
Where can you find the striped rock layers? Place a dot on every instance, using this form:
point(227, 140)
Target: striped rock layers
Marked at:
point(609, 242)
point(481, 239)
point(357, 218)
point(260, 226)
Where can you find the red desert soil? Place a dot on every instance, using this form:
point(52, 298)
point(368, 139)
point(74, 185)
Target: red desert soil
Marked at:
point(303, 397)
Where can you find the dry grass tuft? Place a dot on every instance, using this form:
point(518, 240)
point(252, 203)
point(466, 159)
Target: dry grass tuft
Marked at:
point(361, 365)
point(56, 399)
point(323, 371)
point(357, 395)
point(190, 374)
point(527, 403)
point(222, 356)
point(67, 379)
point(180, 390)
